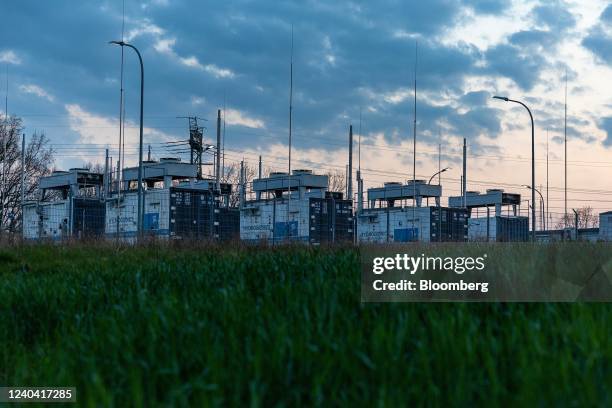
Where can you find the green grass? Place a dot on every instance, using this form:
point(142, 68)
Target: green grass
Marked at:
point(163, 325)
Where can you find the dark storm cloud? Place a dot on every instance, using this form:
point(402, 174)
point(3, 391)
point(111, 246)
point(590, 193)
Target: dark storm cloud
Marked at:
point(199, 53)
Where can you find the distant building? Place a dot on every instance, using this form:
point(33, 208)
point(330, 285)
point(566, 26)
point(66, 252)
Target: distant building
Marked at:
point(70, 204)
point(176, 204)
point(605, 226)
point(391, 217)
point(499, 226)
point(296, 208)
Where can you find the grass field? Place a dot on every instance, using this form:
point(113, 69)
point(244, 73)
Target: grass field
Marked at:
point(161, 325)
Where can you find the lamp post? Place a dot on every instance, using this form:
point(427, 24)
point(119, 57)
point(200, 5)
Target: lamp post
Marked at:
point(541, 204)
point(432, 177)
point(533, 212)
point(140, 188)
point(436, 173)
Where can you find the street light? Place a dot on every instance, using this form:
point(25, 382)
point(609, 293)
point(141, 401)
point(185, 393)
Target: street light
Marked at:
point(435, 174)
point(533, 212)
point(140, 188)
point(541, 205)
point(432, 177)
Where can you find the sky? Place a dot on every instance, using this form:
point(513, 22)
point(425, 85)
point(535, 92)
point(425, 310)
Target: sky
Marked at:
point(353, 63)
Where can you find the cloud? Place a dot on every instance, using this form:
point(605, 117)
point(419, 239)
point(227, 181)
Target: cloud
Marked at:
point(238, 118)
point(599, 39)
point(9, 57)
point(97, 129)
point(606, 125)
point(36, 90)
point(510, 61)
point(489, 6)
point(555, 16)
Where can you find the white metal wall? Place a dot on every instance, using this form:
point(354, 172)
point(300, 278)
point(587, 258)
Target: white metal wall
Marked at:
point(50, 220)
point(257, 219)
point(605, 226)
point(123, 213)
point(477, 229)
point(372, 223)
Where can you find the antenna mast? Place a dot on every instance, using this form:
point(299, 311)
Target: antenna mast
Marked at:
point(290, 128)
point(565, 143)
point(290, 102)
point(223, 140)
point(414, 133)
point(4, 142)
point(121, 112)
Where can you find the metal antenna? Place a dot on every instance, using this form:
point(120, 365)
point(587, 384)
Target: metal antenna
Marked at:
point(290, 101)
point(223, 140)
point(359, 150)
point(290, 128)
point(4, 142)
point(565, 143)
point(547, 202)
point(414, 201)
point(121, 111)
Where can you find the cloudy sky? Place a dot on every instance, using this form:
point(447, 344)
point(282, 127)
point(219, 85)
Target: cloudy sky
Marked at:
point(349, 57)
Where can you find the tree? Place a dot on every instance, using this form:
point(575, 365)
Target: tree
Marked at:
point(231, 175)
point(38, 163)
point(586, 219)
point(337, 181)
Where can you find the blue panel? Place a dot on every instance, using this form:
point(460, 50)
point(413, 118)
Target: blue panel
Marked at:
point(283, 230)
point(151, 221)
point(405, 234)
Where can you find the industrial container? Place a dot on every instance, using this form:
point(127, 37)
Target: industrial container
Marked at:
point(605, 226)
point(412, 224)
point(176, 204)
point(70, 204)
point(296, 208)
point(499, 229)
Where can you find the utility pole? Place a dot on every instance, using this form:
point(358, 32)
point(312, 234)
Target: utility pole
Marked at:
point(23, 172)
point(464, 179)
point(106, 172)
point(547, 197)
point(218, 153)
point(196, 142)
point(565, 144)
point(414, 134)
point(290, 130)
point(350, 165)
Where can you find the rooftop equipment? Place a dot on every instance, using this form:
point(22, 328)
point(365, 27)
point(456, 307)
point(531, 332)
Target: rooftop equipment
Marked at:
point(70, 204)
point(499, 227)
point(176, 204)
point(390, 219)
point(296, 208)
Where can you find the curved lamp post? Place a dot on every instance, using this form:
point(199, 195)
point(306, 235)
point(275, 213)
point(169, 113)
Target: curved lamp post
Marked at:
point(533, 211)
point(140, 188)
point(436, 173)
point(543, 224)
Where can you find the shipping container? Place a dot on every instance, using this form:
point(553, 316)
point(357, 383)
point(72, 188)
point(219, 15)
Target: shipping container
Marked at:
point(70, 204)
point(296, 208)
point(412, 224)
